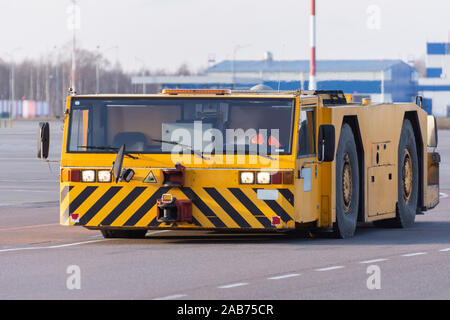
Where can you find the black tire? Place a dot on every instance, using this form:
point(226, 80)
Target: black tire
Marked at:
point(130, 234)
point(408, 193)
point(347, 184)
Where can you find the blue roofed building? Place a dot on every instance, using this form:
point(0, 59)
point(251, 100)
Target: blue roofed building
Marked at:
point(435, 87)
point(382, 80)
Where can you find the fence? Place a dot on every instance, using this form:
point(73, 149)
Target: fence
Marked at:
point(24, 109)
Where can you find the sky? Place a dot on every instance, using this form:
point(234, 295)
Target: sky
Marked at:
point(164, 34)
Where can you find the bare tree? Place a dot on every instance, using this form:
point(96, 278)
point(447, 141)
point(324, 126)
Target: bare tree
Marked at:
point(48, 78)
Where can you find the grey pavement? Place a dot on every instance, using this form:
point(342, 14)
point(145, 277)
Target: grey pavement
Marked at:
point(36, 253)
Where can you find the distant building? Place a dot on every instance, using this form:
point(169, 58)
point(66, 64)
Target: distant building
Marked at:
point(436, 86)
point(382, 80)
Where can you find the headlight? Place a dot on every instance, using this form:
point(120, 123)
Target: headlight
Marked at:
point(247, 178)
point(263, 178)
point(104, 176)
point(88, 175)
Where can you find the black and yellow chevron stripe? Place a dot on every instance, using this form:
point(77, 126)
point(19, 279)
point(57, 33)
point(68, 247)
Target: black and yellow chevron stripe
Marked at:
point(124, 206)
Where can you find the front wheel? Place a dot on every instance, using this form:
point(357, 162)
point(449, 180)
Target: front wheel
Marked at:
point(347, 184)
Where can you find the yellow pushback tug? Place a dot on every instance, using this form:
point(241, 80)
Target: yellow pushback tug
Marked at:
point(246, 160)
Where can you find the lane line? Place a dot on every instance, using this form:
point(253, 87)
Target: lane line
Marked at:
point(445, 250)
point(373, 261)
point(28, 190)
point(443, 195)
point(30, 227)
point(330, 268)
point(52, 247)
point(285, 276)
point(413, 254)
point(233, 285)
point(172, 297)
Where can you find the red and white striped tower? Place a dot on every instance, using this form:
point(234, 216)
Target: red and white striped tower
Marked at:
point(312, 63)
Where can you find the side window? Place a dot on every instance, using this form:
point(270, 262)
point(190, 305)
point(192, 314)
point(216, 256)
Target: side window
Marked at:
point(306, 133)
point(79, 130)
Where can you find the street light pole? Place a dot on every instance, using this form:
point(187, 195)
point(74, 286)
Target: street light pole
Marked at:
point(97, 66)
point(12, 79)
point(97, 75)
point(13, 94)
point(73, 23)
point(74, 67)
point(143, 74)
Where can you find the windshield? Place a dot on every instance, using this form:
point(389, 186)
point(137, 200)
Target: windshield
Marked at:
point(163, 125)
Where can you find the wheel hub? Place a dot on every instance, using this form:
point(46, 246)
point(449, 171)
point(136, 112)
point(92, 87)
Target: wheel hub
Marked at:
point(407, 176)
point(347, 187)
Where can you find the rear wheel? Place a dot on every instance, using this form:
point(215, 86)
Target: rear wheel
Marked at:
point(131, 234)
point(347, 184)
point(408, 180)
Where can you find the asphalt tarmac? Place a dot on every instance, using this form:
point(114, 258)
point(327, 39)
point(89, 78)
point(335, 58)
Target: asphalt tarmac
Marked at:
point(42, 260)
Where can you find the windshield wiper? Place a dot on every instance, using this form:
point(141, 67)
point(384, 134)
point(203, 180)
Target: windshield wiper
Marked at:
point(109, 149)
point(183, 146)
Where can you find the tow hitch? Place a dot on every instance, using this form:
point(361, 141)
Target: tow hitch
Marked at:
point(172, 210)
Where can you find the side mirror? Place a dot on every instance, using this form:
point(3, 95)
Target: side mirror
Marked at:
point(432, 134)
point(326, 143)
point(43, 140)
point(117, 165)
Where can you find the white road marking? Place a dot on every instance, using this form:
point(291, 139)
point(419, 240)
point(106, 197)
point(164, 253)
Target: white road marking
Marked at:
point(285, 276)
point(373, 261)
point(28, 190)
point(443, 195)
point(330, 268)
point(52, 247)
point(233, 285)
point(413, 254)
point(445, 250)
point(30, 227)
point(175, 296)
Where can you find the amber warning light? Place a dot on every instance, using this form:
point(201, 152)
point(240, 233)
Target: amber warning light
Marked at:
point(197, 91)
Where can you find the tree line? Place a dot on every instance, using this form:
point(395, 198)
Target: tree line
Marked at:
point(49, 77)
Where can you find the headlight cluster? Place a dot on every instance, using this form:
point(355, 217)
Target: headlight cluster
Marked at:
point(93, 176)
point(249, 177)
point(264, 177)
point(104, 176)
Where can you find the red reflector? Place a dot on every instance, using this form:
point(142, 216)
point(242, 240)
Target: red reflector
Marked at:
point(274, 142)
point(258, 139)
point(277, 178)
point(276, 221)
point(75, 175)
point(74, 218)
